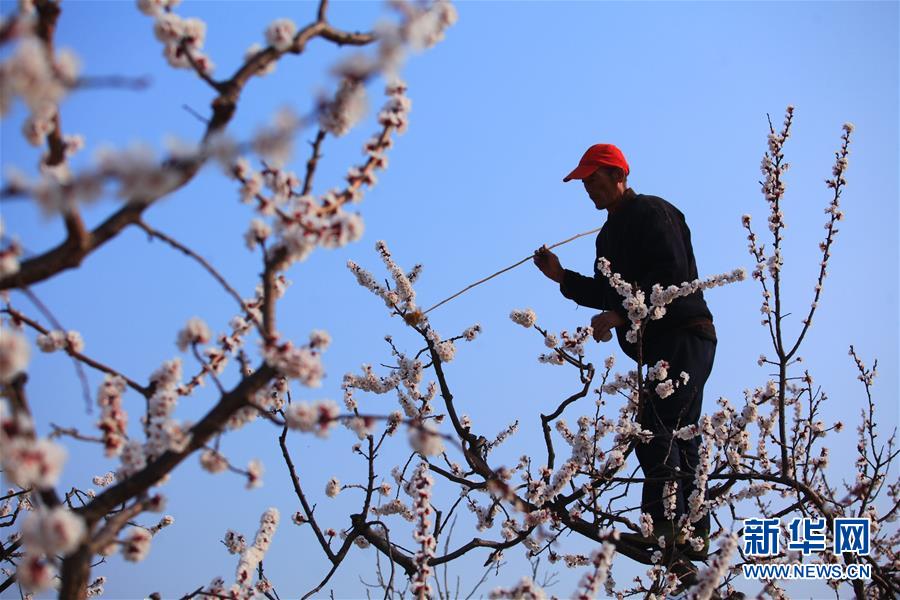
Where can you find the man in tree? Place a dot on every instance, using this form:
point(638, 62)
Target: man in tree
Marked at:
point(647, 242)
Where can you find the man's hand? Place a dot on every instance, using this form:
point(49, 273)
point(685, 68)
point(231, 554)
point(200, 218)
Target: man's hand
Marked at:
point(548, 263)
point(605, 321)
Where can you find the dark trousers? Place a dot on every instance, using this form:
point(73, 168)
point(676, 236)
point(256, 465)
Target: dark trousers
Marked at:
point(666, 455)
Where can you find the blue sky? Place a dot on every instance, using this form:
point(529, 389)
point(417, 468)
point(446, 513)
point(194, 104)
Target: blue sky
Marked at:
point(502, 110)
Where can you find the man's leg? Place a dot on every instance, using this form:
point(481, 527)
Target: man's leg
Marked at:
point(701, 354)
point(665, 456)
point(660, 460)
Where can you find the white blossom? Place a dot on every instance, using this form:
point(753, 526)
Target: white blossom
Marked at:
point(318, 417)
point(333, 488)
point(13, 354)
point(51, 531)
point(253, 554)
point(258, 232)
point(254, 474)
point(348, 107)
point(35, 572)
point(420, 490)
point(526, 318)
point(665, 389)
point(526, 589)
point(212, 461)
point(195, 332)
point(470, 333)
point(425, 439)
point(710, 577)
point(136, 544)
point(280, 34)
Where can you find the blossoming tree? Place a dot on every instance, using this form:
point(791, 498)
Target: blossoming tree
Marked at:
point(764, 458)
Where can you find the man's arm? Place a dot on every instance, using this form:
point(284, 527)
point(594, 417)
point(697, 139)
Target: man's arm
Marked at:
point(585, 291)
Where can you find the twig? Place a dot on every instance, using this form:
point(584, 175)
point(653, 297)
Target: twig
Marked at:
point(184, 249)
point(195, 114)
point(217, 86)
point(85, 387)
point(313, 161)
point(113, 81)
point(16, 315)
point(524, 260)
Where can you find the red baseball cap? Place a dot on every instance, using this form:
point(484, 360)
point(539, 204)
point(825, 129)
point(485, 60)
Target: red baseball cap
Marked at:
point(598, 155)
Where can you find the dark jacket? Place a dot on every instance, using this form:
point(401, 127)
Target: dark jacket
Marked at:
point(646, 241)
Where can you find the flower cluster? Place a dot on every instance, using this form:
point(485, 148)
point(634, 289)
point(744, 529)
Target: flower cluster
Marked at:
point(318, 417)
point(333, 487)
point(422, 26)
point(280, 34)
point(60, 340)
point(104, 480)
point(95, 589)
point(840, 165)
point(660, 297)
point(666, 387)
point(697, 506)
point(113, 421)
point(710, 577)
point(445, 350)
point(503, 435)
point(9, 256)
point(425, 28)
point(302, 363)
point(470, 333)
point(395, 507)
point(166, 521)
point(601, 560)
point(195, 332)
point(258, 232)
point(646, 524)
point(339, 115)
point(14, 354)
point(212, 461)
point(51, 531)
point(406, 380)
point(26, 461)
point(182, 39)
point(136, 545)
point(35, 572)
point(773, 168)
point(40, 78)
point(303, 222)
point(526, 318)
point(163, 431)
point(254, 474)
point(234, 542)
point(402, 298)
point(425, 438)
point(526, 589)
point(420, 489)
point(573, 343)
point(634, 299)
point(252, 555)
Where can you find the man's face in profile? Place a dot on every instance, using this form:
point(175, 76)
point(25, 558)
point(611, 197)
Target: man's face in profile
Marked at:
point(603, 187)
